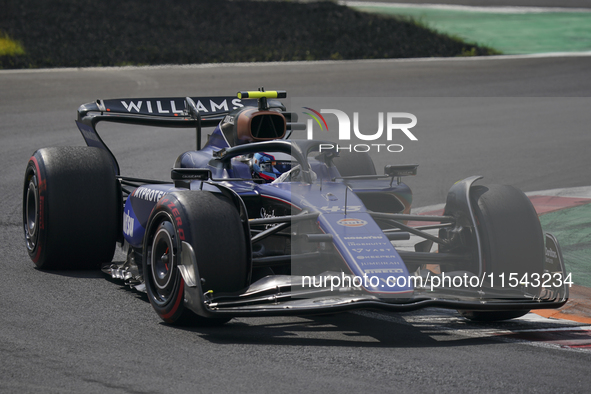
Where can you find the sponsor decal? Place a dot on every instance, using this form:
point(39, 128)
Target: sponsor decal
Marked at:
point(366, 243)
point(366, 237)
point(336, 208)
point(148, 194)
point(175, 107)
point(551, 254)
point(176, 215)
point(268, 214)
point(351, 222)
point(385, 271)
point(382, 263)
point(376, 257)
point(128, 222)
point(359, 250)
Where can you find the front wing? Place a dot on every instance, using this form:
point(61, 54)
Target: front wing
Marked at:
point(284, 295)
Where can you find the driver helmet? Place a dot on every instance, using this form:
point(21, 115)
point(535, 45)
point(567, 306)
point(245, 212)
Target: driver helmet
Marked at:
point(270, 166)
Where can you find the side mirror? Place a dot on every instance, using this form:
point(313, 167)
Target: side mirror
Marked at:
point(400, 170)
point(182, 177)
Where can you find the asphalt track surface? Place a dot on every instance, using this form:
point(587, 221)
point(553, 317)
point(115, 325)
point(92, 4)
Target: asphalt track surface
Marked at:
point(78, 332)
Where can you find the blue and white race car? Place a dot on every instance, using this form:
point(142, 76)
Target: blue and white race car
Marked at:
point(255, 223)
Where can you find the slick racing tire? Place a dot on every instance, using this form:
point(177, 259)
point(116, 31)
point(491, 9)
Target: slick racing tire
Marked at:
point(354, 163)
point(71, 208)
point(511, 237)
point(211, 225)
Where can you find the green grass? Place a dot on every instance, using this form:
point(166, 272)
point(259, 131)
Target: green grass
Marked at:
point(10, 47)
point(191, 32)
point(573, 231)
point(516, 33)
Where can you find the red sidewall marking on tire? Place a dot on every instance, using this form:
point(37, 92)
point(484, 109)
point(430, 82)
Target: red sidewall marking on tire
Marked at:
point(177, 303)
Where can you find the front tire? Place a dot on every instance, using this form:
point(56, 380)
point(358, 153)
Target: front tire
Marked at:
point(511, 237)
point(211, 225)
point(71, 208)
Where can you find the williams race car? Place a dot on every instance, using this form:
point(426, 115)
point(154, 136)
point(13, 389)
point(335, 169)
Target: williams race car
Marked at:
point(256, 223)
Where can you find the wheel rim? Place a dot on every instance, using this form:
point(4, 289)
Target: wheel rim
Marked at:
point(31, 213)
point(163, 262)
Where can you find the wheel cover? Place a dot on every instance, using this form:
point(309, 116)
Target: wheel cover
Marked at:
point(163, 262)
point(31, 218)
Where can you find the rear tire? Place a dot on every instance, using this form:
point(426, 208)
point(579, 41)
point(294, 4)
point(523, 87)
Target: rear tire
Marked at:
point(71, 208)
point(511, 236)
point(352, 164)
point(211, 225)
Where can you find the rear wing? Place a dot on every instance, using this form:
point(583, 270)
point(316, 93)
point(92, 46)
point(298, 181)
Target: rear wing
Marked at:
point(168, 111)
point(174, 112)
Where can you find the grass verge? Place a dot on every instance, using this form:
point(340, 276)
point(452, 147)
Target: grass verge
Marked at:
point(85, 33)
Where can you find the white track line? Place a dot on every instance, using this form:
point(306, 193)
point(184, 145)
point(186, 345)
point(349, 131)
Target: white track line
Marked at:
point(313, 63)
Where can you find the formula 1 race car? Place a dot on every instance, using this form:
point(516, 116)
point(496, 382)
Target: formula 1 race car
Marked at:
point(255, 223)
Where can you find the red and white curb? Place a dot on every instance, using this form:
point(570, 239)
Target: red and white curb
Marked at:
point(578, 308)
point(531, 329)
point(544, 201)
